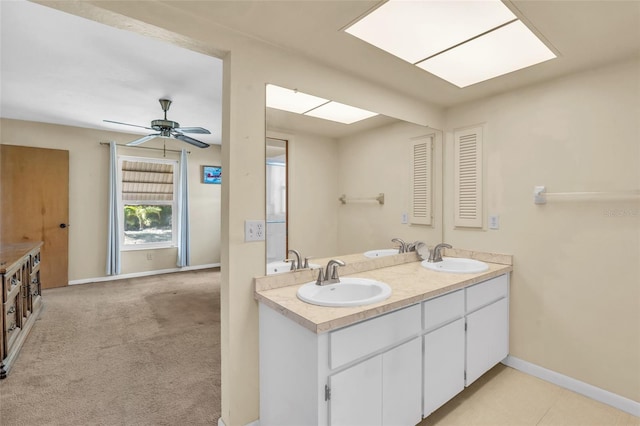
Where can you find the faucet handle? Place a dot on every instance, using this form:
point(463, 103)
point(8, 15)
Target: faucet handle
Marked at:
point(331, 274)
point(293, 264)
point(305, 265)
point(320, 279)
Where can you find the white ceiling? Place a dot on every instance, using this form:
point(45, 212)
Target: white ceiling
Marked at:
point(62, 69)
point(59, 68)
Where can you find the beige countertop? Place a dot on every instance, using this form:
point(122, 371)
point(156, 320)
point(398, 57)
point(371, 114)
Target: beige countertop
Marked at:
point(409, 281)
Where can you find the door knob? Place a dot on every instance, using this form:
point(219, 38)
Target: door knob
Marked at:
point(64, 225)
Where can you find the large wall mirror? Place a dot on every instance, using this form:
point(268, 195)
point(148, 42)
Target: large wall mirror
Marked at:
point(325, 180)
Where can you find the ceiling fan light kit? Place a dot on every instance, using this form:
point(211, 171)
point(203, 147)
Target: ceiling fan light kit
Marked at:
point(168, 129)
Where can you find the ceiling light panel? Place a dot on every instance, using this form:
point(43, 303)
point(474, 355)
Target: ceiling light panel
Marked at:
point(499, 52)
point(416, 30)
point(341, 113)
point(291, 100)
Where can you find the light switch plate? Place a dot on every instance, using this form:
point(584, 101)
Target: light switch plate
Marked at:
point(254, 230)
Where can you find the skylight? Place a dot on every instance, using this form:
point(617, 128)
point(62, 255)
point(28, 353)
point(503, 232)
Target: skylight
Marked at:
point(291, 100)
point(302, 103)
point(462, 42)
point(342, 113)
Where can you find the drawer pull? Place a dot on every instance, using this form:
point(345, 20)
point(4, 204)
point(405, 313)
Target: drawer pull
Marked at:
point(12, 309)
point(12, 327)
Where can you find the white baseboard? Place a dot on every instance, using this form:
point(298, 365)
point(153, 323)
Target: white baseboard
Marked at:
point(256, 423)
point(621, 403)
point(142, 274)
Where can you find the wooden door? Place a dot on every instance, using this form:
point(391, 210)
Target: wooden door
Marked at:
point(34, 195)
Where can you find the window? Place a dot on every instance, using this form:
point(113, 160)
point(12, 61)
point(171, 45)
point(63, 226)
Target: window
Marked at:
point(148, 202)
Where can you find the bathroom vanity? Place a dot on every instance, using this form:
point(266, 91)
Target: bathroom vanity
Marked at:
point(393, 362)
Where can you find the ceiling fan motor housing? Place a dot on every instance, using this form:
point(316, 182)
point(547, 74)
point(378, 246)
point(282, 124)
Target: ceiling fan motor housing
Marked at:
point(164, 124)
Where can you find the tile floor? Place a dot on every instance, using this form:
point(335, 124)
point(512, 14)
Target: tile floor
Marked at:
point(507, 397)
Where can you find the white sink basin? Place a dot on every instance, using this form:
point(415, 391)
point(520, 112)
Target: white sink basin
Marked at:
point(380, 253)
point(458, 265)
point(348, 292)
point(280, 267)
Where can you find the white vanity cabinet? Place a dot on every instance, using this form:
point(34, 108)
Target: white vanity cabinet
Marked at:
point(467, 333)
point(393, 369)
point(487, 326)
point(362, 374)
point(444, 349)
point(383, 390)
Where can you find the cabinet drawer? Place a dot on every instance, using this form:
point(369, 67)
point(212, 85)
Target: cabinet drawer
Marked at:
point(358, 340)
point(486, 292)
point(14, 286)
point(35, 260)
point(443, 309)
point(12, 281)
point(11, 312)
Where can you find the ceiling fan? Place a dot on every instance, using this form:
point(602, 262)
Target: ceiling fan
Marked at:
point(167, 129)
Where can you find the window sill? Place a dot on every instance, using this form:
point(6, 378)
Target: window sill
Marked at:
point(148, 247)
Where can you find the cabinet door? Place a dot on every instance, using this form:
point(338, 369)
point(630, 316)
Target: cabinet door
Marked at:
point(443, 365)
point(487, 338)
point(401, 384)
point(356, 395)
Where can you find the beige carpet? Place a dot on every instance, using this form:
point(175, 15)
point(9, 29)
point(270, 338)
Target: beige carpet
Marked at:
point(142, 351)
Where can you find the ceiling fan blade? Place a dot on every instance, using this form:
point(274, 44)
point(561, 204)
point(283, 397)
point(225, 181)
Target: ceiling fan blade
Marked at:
point(199, 130)
point(143, 139)
point(190, 140)
point(127, 124)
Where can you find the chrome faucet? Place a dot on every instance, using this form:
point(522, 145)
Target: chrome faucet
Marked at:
point(436, 254)
point(403, 245)
point(415, 246)
point(331, 274)
point(295, 265)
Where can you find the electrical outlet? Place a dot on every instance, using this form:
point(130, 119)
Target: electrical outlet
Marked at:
point(405, 218)
point(149, 256)
point(254, 230)
point(494, 222)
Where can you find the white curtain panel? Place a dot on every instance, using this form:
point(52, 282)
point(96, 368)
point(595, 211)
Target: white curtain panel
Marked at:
point(113, 237)
point(183, 212)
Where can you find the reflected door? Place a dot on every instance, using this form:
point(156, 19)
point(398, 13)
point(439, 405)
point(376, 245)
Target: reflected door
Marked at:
point(276, 191)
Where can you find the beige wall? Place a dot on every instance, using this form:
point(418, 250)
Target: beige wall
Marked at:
point(378, 161)
point(88, 201)
point(575, 305)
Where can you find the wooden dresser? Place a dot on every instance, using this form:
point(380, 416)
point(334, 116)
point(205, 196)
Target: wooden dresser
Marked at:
point(21, 298)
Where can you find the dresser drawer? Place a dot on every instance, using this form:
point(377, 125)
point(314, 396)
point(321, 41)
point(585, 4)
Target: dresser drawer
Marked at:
point(358, 340)
point(35, 260)
point(443, 309)
point(12, 281)
point(12, 317)
point(487, 292)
